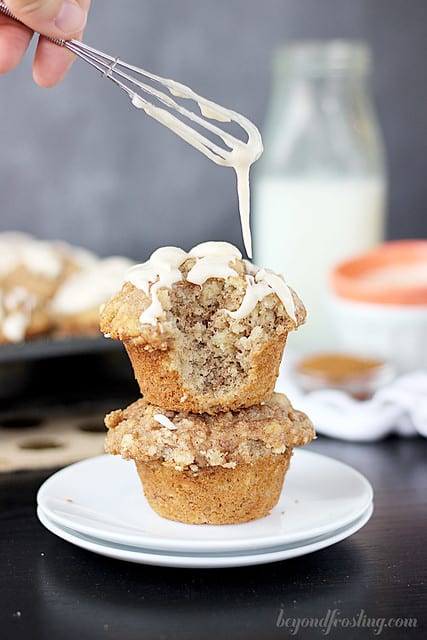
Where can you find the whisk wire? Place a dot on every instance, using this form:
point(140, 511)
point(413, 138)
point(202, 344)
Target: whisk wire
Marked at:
point(236, 153)
point(110, 67)
point(117, 70)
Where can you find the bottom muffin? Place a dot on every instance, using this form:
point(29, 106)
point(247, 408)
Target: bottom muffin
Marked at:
point(203, 469)
point(215, 495)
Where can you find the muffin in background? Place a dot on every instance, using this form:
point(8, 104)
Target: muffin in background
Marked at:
point(51, 289)
point(76, 305)
point(30, 273)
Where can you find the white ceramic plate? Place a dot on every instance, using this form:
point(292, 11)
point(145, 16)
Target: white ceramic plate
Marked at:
point(102, 498)
point(200, 561)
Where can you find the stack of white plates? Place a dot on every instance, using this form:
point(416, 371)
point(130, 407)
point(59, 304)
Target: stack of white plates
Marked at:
point(98, 504)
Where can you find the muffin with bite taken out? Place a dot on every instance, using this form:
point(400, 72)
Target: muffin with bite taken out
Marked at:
point(205, 330)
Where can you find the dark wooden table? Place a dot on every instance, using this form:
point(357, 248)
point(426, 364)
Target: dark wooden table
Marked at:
point(52, 590)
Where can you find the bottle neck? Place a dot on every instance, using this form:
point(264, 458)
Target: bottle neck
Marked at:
point(326, 87)
point(313, 59)
point(322, 120)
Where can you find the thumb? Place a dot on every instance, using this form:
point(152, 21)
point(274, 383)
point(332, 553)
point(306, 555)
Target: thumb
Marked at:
point(56, 18)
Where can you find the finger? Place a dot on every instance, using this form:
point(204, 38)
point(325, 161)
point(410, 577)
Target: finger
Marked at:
point(54, 18)
point(51, 63)
point(14, 40)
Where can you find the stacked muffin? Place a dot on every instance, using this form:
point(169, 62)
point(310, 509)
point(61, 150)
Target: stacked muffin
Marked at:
point(205, 332)
point(51, 289)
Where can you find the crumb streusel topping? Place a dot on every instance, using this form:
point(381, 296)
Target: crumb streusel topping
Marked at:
point(188, 440)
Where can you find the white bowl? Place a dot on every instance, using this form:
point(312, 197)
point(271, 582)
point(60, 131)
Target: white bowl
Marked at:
point(396, 333)
point(379, 303)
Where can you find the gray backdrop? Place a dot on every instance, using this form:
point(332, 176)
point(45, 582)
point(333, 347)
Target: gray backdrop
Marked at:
point(79, 163)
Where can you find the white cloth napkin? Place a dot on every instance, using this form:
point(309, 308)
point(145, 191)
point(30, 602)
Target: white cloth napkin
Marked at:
point(399, 407)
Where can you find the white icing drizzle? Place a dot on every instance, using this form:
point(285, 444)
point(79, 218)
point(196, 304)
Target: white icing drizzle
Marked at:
point(212, 260)
point(205, 249)
point(42, 258)
point(16, 297)
point(164, 421)
point(238, 154)
point(210, 267)
point(155, 310)
point(15, 326)
point(211, 112)
point(263, 284)
point(16, 307)
point(92, 286)
point(252, 269)
point(280, 288)
point(255, 291)
point(11, 245)
point(19, 249)
point(160, 271)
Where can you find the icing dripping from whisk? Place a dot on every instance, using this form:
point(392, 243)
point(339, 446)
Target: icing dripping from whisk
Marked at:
point(239, 155)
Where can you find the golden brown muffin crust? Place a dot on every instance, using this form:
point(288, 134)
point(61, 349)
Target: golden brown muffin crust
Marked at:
point(215, 495)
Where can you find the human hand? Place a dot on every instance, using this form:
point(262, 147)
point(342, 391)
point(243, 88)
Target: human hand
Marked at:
point(63, 19)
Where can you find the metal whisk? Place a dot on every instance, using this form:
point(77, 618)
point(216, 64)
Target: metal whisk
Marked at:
point(120, 72)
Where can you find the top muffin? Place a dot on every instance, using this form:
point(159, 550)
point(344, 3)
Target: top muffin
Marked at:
point(205, 330)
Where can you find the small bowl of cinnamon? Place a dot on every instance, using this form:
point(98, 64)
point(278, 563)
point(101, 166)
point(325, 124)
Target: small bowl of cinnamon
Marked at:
point(358, 376)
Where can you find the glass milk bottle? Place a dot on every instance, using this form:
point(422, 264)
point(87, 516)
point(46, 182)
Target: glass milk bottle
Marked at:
point(319, 188)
